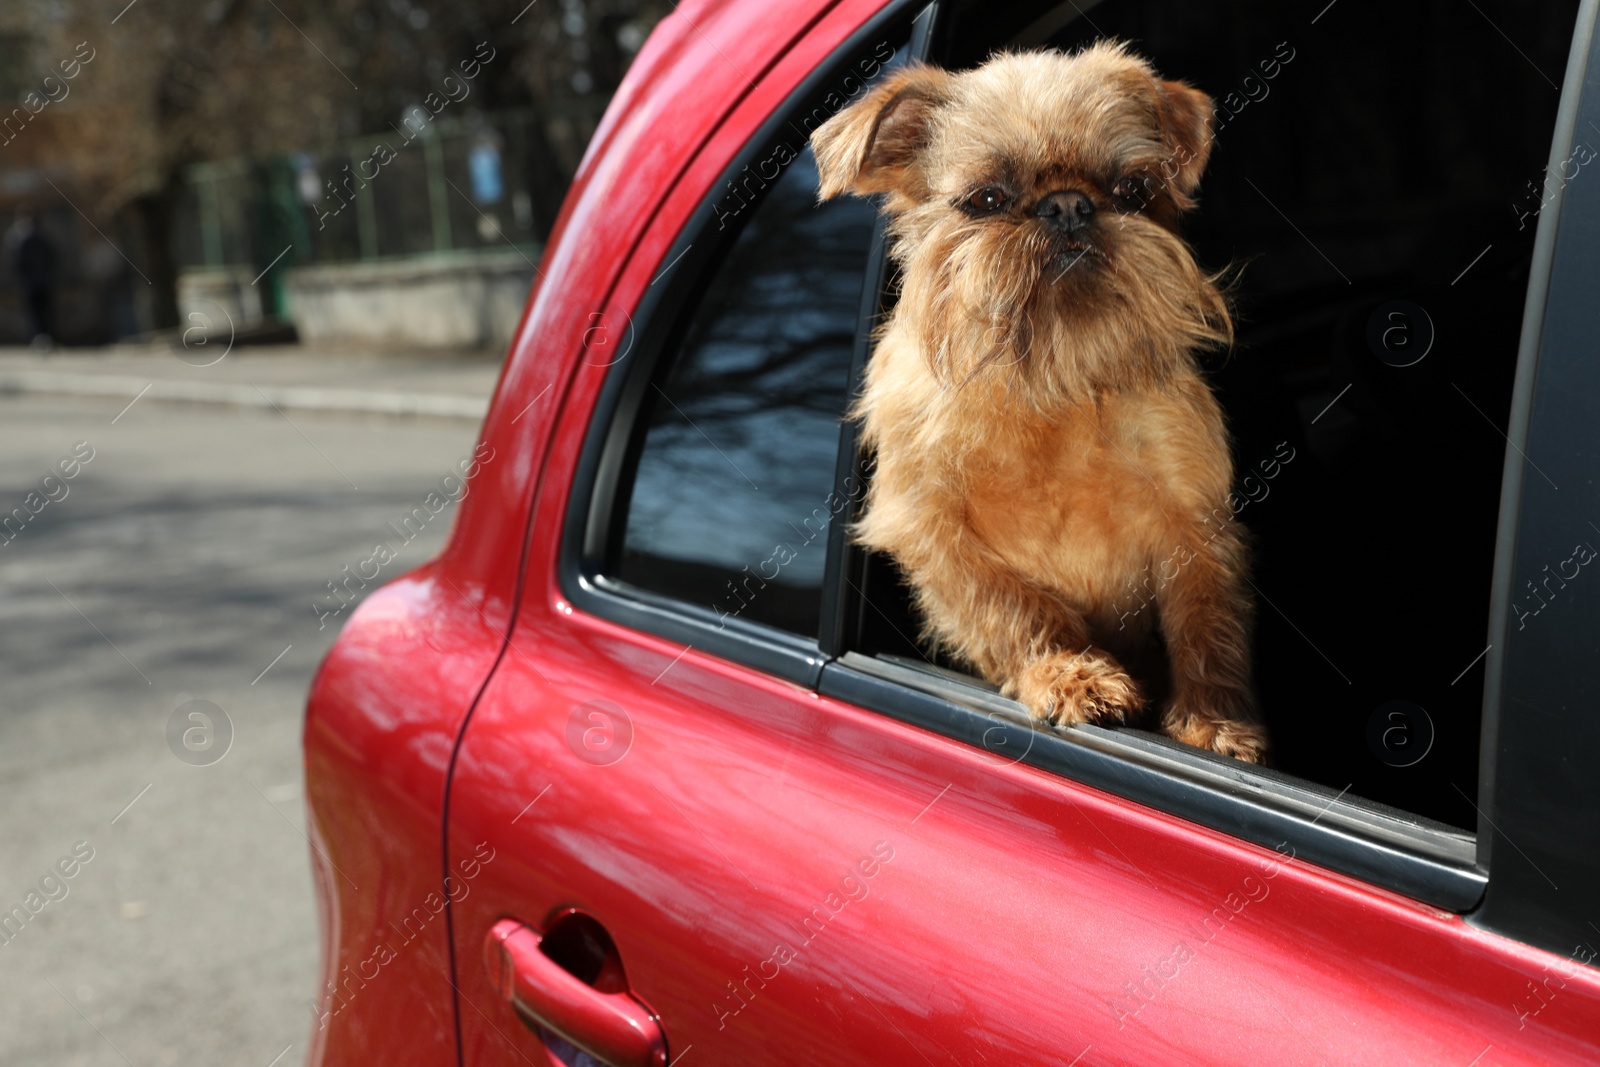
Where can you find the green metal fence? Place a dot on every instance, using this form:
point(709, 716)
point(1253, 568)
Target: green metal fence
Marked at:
point(429, 187)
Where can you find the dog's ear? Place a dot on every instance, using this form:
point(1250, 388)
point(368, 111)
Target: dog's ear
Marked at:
point(871, 146)
point(1186, 133)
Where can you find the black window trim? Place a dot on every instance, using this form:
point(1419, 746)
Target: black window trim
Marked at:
point(1387, 848)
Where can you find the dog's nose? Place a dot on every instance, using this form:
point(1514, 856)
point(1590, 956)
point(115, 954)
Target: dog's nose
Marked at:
point(1067, 210)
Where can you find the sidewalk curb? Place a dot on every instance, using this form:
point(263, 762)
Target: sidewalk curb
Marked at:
point(298, 398)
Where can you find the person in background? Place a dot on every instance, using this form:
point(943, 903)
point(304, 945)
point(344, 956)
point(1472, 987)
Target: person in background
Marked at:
point(35, 261)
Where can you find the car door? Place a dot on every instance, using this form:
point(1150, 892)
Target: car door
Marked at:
point(715, 806)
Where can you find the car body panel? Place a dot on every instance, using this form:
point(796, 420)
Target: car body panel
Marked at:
point(1012, 917)
point(381, 723)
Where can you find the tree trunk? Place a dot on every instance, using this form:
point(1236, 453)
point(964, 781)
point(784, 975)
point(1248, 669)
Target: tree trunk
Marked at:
point(157, 214)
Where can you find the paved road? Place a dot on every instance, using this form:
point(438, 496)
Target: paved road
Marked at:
point(286, 377)
point(178, 565)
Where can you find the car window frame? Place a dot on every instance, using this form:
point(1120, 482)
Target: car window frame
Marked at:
point(659, 325)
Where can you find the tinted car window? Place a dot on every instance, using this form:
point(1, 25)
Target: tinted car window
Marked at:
point(733, 490)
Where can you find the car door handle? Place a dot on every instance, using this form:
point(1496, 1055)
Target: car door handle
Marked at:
point(613, 1027)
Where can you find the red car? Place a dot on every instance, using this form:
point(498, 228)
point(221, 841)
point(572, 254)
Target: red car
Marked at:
point(648, 767)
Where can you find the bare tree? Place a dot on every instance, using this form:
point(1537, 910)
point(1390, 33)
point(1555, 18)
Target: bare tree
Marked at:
point(174, 82)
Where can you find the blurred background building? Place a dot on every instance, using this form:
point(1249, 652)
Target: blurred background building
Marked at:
point(333, 170)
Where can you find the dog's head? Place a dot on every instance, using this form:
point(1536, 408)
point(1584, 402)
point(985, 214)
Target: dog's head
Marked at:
point(1034, 202)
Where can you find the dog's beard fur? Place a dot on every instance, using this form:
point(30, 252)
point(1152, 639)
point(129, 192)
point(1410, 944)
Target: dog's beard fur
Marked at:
point(981, 298)
point(1019, 330)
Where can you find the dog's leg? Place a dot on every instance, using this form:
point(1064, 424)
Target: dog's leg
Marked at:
point(1205, 618)
point(1035, 646)
point(1062, 687)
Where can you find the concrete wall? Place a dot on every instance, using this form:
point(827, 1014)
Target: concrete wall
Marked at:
point(204, 292)
point(451, 300)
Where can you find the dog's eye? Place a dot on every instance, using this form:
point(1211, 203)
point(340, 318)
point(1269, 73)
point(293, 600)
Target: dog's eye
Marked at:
point(989, 198)
point(1130, 190)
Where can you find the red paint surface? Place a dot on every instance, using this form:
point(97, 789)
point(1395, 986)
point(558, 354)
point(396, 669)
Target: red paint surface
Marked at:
point(789, 879)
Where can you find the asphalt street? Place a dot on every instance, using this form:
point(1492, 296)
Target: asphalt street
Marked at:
point(176, 564)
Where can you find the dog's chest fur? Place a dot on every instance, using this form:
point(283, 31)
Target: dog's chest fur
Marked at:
point(1079, 498)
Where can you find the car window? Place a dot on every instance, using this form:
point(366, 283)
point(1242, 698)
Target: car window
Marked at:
point(732, 493)
point(1375, 214)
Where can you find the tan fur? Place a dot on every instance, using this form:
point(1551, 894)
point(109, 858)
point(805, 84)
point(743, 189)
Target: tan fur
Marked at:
point(1046, 448)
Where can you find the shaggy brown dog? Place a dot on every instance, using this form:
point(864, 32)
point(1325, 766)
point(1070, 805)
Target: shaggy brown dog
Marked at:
point(1047, 452)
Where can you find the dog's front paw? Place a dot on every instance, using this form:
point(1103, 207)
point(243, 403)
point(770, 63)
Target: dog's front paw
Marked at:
point(1242, 740)
point(1064, 687)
